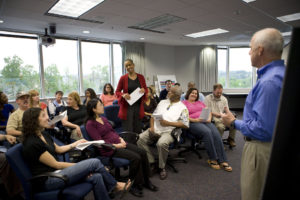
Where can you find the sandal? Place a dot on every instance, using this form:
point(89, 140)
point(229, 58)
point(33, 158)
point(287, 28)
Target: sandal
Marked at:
point(214, 164)
point(226, 167)
point(125, 189)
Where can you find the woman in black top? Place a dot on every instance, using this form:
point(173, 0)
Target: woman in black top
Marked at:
point(76, 114)
point(89, 94)
point(40, 152)
point(149, 107)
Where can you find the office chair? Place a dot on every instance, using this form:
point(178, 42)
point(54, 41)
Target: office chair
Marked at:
point(112, 162)
point(18, 164)
point(111, 113)
point(171, 160)
point(194, 146)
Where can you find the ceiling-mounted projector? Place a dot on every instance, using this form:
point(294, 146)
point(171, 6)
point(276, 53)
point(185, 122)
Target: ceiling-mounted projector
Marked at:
point(47, 40)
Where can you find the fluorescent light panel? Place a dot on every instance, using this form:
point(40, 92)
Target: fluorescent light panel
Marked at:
point(286, 33)
point(207, 33)
point(73, 8)
point(248, 1)
point(291, 17)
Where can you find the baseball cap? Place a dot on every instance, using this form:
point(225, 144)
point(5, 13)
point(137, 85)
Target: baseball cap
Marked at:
point(21, 94)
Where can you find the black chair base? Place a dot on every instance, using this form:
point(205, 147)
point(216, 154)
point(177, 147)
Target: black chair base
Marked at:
point(194, 147)
point(171, 161)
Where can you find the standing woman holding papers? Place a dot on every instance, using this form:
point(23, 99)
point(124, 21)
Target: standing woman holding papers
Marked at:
point(203, 128)
point(131, 115)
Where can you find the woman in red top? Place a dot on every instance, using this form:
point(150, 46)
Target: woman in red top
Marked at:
point(131, 116)
point(34, 101)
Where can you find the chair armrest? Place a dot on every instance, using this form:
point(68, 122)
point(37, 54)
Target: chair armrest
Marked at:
point(51, 174)
point(129, 136)
point(109, 146)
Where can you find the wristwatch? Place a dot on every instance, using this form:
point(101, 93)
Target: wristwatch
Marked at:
point(232, 125)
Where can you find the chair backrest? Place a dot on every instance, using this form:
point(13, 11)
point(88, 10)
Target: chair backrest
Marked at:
point(16, 161)
point(85, 133)
point(111, 113)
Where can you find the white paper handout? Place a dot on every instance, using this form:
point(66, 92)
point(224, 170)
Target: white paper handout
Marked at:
point(205, 114)
point(134, 96)
point(57, 118)
point(157, 116)
point(84, 145)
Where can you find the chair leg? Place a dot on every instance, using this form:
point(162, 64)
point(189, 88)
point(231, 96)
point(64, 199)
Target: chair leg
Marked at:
point(170, 162)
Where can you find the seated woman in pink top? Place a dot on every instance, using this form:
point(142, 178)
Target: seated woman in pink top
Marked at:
point(108, 95)
point(206, 131)
point(99, 128)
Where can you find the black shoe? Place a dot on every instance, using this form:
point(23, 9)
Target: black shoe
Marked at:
point(151, 187)
point(136, 192)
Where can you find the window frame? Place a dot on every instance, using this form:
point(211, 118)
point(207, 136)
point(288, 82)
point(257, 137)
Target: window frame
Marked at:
point(227, 89)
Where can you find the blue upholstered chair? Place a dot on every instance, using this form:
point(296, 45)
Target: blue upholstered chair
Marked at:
point(111, 113)
point(113, 162)
point(16, 161)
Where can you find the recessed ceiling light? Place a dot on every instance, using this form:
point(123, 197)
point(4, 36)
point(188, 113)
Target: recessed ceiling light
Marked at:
point(207, 33)
point(86, 32)
point(1, 21)
point(73, 8)
point(248, 1)
point(291, 17)
point(142, 38)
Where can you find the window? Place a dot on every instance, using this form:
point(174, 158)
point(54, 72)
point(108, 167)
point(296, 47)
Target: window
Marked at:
point(19, 68)
point(234, 68)
point(60, 67)
point(222, 63)
point(95, 65)
point(118, 65)
point(20, 65)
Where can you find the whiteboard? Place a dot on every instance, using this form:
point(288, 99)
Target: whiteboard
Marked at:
point(162, 78)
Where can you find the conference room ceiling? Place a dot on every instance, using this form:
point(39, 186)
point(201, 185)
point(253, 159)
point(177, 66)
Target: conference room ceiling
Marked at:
point(239, 18)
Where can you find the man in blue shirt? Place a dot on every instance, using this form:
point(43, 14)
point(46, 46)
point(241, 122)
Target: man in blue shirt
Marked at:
point(260, 110)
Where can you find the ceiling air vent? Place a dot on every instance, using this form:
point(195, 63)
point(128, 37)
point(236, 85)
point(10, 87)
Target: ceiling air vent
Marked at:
point(157, 22)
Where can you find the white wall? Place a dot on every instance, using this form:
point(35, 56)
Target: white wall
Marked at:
point(159, 60)
point(187, 65)
point(183, 61)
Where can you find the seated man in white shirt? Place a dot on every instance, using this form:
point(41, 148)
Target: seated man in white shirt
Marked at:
point(173, 114)
point(192, 84)
point(57, 105)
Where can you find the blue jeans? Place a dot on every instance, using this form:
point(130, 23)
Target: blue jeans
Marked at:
point(101, 180)
point(212, 140)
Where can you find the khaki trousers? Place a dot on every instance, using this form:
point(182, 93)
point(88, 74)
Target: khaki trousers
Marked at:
point(162, 145)
point(255, 159)
point(221, 128)
point(75, 136)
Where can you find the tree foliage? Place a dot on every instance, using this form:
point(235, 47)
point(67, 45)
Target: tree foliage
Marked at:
point(15, 76)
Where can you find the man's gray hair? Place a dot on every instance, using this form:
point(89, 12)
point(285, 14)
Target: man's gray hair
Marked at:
point(271, 39)
point(177, 90)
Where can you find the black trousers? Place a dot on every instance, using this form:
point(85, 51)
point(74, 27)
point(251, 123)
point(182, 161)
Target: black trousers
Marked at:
point(133, 122)
point(139, 170)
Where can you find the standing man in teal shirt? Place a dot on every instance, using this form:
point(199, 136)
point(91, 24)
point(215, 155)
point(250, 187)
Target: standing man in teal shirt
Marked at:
point(260, 111)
